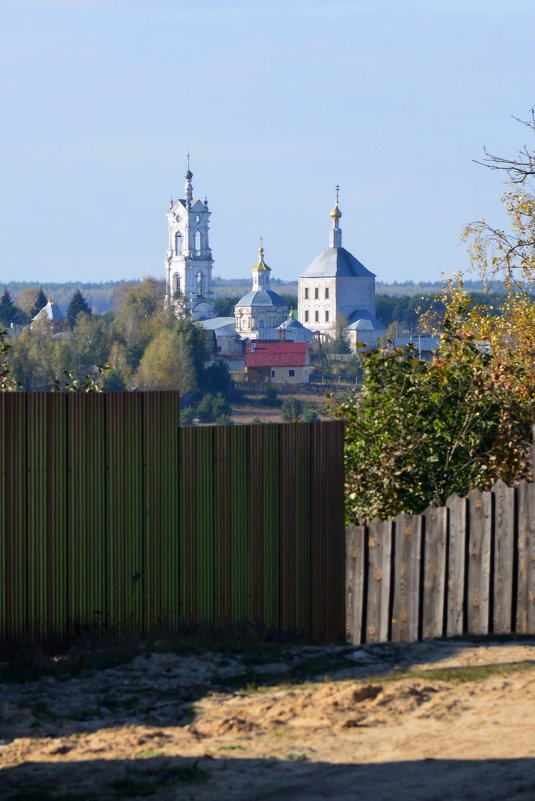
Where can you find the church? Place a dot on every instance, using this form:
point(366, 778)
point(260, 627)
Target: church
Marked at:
point(336, 293)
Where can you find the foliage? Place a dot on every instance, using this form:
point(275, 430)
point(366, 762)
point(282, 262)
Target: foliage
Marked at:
point(167, 364)
point(309, 415)
point(214, 409)
point(187, 416)
point(337, 345)
point(270, 396)
point(89, 383)
point(7, 381)
point(292, 409)
point(421, 431)
point(224, 307)
point(216, 378)
point(77, 305)
point(8, 311)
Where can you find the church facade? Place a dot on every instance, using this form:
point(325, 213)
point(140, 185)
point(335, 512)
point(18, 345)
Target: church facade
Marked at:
point(188, 260)
point(261, 311)
point(336, 293)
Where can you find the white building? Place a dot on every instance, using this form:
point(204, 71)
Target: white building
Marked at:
point(336, 293)
point(188, 260)
point(261, 311)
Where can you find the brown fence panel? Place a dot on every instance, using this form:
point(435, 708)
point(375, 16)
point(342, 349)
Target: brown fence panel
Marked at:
point(479, 561)
point(525, 618)
point(435, 521)
point(504, 553)
point(477, 575)
point(457, 508)
point(407, 565)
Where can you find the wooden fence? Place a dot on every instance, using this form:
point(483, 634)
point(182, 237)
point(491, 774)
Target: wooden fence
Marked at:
point(113, 518)
point(466, 568)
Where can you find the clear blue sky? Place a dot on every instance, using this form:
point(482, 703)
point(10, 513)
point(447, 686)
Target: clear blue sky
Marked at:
point(277, 102)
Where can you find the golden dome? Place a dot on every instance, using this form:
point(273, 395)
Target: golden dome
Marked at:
point(336, 213)
point(261, 263)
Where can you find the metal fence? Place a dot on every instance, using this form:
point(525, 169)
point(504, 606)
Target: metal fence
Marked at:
point(466, 568)
point(114, 519)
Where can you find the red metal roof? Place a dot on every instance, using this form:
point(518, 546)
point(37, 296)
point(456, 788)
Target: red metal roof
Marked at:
point(276, 354)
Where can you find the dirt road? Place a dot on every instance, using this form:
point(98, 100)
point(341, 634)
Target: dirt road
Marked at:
point(435, 720)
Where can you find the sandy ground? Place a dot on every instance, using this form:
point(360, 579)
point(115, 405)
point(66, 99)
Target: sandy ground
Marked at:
point(386, 722)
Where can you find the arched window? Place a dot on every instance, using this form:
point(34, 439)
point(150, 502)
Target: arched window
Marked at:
point(176, 284)
point(178, 243)
point(199, 283)
point(198, 241)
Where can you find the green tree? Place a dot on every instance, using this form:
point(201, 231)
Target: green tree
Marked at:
point(38, 304)
point(8, 311)
point(292, 409)
point(421, 431)
point(167, 364)
point(7, 382)
point(77, 305)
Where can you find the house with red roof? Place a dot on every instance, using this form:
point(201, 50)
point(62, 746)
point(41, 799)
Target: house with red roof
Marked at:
point(278, 362)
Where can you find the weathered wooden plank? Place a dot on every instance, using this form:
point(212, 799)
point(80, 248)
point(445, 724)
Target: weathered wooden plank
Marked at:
point(456, 565)
point(406, 602)
point(379, 580)
point(525, 614)
point(435, 567)
point(479, 561)
point(504, 547)
point(355, 575)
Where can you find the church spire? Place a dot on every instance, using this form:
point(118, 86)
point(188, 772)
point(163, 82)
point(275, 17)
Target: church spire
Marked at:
point(335, 240)
point(261, 271)
point(188, 189)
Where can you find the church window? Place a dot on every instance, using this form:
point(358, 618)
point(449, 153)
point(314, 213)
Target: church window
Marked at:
point(306, 293)
point(199, 283)
point(178, 243)
point(197, 218)
point(316, 293)
point(198, 241)
point(176, 287)
point(326, 293)
point(316, 316)
point(326, 316)
point(306, 317)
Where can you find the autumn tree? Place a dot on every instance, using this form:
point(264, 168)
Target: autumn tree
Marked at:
point(420, 431)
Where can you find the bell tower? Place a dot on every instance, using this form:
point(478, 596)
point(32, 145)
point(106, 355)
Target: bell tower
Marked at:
point(188, 261)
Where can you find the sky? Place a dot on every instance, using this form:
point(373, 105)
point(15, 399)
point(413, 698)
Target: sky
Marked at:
point(277, 103)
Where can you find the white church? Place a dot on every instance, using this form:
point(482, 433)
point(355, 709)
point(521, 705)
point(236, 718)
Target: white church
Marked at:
point(336, 293)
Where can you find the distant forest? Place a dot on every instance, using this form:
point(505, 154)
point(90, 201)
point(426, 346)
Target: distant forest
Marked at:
point(396, 302)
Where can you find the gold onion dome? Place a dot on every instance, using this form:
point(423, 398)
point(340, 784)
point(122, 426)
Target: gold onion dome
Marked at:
point(336, 213)
point(261, 265)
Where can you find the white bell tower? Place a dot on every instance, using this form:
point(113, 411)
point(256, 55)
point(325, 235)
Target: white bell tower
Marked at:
point(188, 260)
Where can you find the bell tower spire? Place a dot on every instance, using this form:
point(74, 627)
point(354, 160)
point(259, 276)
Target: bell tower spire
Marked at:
point(188, 259)
point(335, 239)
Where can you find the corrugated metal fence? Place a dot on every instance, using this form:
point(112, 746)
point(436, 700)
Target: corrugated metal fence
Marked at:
point(111, 517)
point(466, 568)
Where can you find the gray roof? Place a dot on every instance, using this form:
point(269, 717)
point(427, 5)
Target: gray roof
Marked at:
point(291, 323)
point(261, 297)
point(336, 263)
point(224, 326)
point(362, 320)
point(51, 311)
